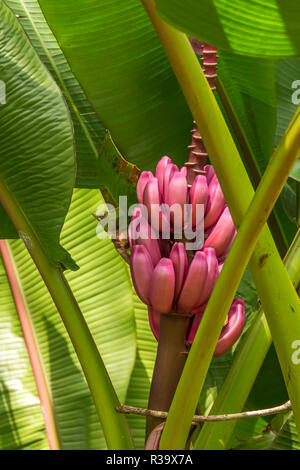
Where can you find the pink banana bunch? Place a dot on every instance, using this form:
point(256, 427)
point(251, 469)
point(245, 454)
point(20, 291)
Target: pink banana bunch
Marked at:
point(163, 277)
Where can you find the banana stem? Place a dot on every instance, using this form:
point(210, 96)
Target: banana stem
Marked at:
point(170, 360)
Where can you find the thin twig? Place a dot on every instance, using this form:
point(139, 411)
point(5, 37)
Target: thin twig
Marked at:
point(125, 409)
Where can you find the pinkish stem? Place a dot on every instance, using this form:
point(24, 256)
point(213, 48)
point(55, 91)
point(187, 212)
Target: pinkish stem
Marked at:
point(32, 348)
point(170, 360)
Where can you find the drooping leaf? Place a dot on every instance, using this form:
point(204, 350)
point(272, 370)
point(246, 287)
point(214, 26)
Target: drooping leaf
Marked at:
point(98, 163)
point(37, 168)
point(265, 28)
point(103, 290)
point(88, 130)
point(117, 58)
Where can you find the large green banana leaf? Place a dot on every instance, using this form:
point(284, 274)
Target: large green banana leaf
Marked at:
point(248, 27)
point(37, 167)
point(117, 58)
point(98, 164)
point(88, 130)
point(103, 289)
